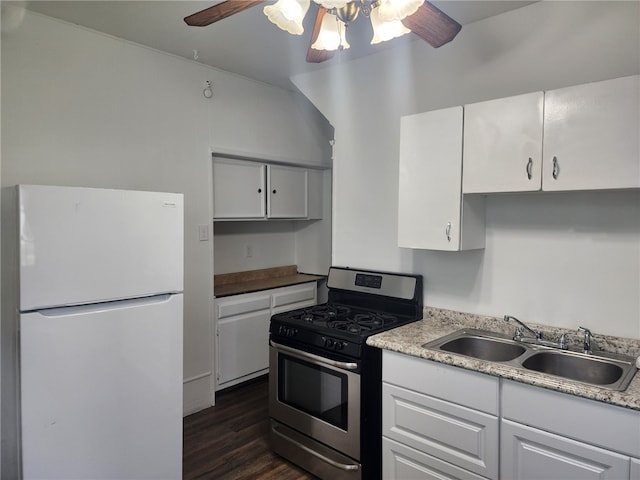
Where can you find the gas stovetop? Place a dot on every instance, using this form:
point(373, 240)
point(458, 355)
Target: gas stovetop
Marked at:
point(361, 304)
point(342, 318)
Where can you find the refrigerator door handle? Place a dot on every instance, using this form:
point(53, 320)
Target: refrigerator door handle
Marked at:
point(103, 306)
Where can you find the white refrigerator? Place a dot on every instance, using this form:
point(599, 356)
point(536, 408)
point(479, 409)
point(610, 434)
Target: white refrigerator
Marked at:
point(100, 333)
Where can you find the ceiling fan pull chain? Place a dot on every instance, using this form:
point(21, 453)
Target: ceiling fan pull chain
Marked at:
point(342, 32)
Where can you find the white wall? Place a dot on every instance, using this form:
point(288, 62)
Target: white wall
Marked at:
point(558, 259)
point(83, 108)
point(272, 244)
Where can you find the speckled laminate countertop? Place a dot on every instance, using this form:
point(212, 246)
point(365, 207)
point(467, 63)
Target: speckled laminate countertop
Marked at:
point(437, 323)
point(236, 283)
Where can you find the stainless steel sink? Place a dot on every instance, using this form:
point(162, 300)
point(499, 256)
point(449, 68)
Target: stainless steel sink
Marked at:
point(582, 368)
point(484, 348)
point(613, 373)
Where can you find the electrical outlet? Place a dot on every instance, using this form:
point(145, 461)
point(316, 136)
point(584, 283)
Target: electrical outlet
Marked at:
point(248, 251)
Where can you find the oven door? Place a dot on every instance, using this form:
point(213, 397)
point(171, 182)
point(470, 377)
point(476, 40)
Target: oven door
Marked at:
point(316, 396)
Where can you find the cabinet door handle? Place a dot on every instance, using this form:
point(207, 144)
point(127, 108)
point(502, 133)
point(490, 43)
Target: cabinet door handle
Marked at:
point(556, 168)
point(529, 168)
point(448, 231)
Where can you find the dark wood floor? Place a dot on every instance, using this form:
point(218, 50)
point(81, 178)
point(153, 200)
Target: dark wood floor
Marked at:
point(229, 441)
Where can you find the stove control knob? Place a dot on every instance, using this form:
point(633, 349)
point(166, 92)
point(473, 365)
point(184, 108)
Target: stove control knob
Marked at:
point(329, 343)
point(287, 331)
point(340, 345)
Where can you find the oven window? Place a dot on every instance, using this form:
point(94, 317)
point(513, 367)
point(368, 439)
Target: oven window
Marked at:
point(315, 390)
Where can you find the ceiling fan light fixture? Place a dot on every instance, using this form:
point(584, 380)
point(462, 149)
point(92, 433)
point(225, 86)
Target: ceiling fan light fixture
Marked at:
point(348, 12)
point(390, 10)
point(383, 31)
point(331, 35)
point(288, 14)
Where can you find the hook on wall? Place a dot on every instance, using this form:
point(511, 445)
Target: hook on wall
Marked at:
point(208, 89)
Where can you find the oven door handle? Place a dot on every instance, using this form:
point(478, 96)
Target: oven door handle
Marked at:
point(311, 356)
point(341, 466)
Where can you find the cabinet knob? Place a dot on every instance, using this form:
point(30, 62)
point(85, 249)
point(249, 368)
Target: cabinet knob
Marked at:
point(259, 190)
point(274, 190)
point(529, 168)
point(448, 231)
point(556, 168)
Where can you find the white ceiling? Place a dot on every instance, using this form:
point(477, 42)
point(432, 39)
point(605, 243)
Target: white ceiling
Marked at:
point(246, 43)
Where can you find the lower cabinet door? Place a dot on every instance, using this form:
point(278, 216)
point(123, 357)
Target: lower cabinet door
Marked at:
point(635, 468)
point(243, 345)
point(531, 454)
point(400, 462)
point(457, 435)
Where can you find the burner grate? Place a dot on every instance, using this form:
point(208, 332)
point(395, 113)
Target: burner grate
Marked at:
point(364, 322)
point(319, 314)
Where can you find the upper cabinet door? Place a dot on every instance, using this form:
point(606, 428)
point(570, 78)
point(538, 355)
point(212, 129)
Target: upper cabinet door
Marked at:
point(429, 197)
point(591, 136)
point(503, 145)
point(287, 190)
point(238, 189)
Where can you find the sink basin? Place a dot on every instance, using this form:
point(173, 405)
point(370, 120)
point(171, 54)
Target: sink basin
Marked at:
point(483, 348)
point(581, 368)
point(479, 344)
point(613, 373)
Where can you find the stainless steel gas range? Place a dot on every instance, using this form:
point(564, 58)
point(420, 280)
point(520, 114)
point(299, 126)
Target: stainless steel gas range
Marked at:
point(325, 382)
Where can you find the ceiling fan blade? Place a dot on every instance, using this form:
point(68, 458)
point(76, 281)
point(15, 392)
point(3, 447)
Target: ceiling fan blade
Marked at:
point(313, 55)
point(218, 12)
point(432, 25)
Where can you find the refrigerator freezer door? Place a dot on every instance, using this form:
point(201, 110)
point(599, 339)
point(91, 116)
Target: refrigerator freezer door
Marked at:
point(102, 391)
point(83, 245)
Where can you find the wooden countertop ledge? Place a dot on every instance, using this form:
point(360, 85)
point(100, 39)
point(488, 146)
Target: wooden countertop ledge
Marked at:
point(227, 284)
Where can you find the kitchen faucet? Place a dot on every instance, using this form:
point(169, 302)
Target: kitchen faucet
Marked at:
point(537, 336)
point(587, 340)
point(518, 335)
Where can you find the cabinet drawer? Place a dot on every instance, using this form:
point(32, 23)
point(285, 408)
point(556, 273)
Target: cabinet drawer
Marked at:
point(400, 462)
point(239, 304)
point(528, 453)
point(608, 426)
point(290, 297)
point(470, 389)
point(456, 434)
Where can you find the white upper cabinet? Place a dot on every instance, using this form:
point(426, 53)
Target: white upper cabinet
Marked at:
point(431, 211)
point(238, 189)
point(287, 192)
point(247, 190)
point(591, 138)
point(583, 137)
point(503, 145)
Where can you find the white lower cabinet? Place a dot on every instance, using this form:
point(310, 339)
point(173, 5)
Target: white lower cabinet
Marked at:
point(242, 329)
point(531, 454)
point(406, 463)
point(547, 434)
point(444, 422)
point(635, 468)
point(432, 424)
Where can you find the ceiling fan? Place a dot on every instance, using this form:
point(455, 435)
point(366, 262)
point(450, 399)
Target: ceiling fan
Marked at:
point(389, 18)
